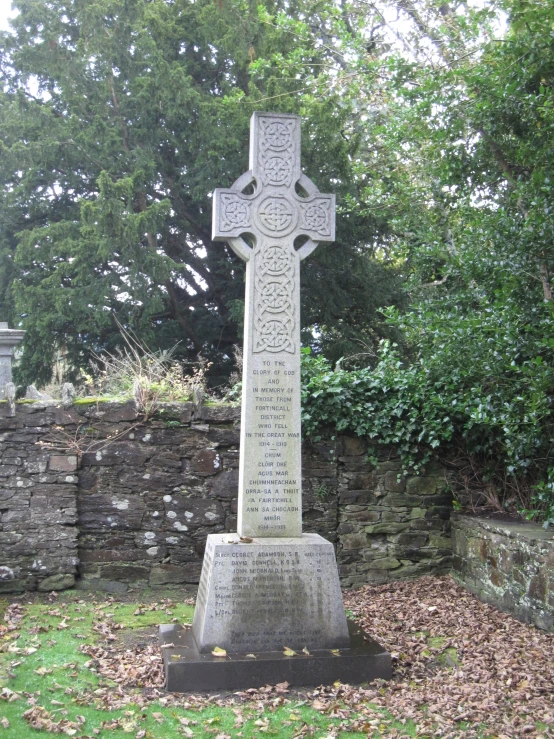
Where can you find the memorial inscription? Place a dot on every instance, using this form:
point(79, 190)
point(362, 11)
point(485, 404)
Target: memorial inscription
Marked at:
point(263, 596)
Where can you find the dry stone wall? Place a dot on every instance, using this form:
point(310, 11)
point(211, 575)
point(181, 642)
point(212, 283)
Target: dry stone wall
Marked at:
point(389, 526)
point(114, 499)
point(38, 502)
point(507, 564)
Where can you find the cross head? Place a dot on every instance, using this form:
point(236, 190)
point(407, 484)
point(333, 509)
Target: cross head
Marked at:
point(274, 204)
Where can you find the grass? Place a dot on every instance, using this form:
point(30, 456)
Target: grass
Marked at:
point(92, 399)
point(44, 665)
point(446, 657)
point(160, 723)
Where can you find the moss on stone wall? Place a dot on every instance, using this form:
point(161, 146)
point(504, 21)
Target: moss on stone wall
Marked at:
point(508, 564)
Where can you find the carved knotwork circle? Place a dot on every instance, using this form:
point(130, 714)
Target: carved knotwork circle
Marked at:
point(275, 334)
point(236, 213)
point(277, 261)
point(275, 296)
point(316, 217)
point(276, 216)
point(277, 135)
point(277, 170)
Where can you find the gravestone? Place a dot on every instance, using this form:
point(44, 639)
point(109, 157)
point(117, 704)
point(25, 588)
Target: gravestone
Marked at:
point(269, 596)
point(9, 339)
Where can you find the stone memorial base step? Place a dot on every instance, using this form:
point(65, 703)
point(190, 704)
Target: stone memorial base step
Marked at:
point(187, 670)
point(268, 594)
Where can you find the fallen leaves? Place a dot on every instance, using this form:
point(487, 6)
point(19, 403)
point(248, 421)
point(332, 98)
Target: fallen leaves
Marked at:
point(42, 671)
point(319, 705)
point(461, 668)
point(9, 695)
point(457, 659)
point(137, 667)
point(219, 652)
point(40, 719)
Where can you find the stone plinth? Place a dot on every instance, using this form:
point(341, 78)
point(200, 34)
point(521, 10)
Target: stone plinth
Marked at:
point(269, 594)
point(9, 339)
point(186, 669)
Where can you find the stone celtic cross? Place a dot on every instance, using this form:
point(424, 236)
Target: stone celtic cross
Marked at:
point(272, 205)
point(273, 585)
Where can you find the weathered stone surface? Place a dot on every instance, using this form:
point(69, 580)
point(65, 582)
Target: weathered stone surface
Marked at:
point(122, 453)
point(126, 573)
point(206, 462)
point(385, 563)
point(165, 574)
point(353, 446)
point(395, 482)
point(122, 511)
point(387, 527)
point(67, 416)
point(63, 463)
point(508, 564)
point(219, 413)
point(226, 484)
point(269, 593)
point(354, 541)
point(115, 412)
point(57, 582)
point(105, 586)
point(111, 511)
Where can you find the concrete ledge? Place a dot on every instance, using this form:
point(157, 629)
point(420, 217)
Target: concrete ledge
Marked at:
point(187, 670)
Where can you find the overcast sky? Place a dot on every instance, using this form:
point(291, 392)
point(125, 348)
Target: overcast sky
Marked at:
point(5, 11)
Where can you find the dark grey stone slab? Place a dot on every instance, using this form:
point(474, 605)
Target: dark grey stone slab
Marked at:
point(186, 670)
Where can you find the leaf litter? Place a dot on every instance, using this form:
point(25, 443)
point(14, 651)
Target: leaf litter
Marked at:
point(461, 668)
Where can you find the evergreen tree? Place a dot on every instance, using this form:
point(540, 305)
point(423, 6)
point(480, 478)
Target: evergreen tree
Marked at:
point(117, 120)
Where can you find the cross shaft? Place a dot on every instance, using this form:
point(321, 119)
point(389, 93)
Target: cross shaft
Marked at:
point(274, 204)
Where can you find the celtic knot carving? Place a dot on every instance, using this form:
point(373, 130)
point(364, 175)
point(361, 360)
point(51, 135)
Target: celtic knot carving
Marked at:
point(277, 171)
point(316, 217)
point(235, 213)
point(276, 216)
point(276, 152)
point(274, 319)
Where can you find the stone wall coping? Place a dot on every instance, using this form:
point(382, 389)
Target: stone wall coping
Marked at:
point(84, 404)
point(510, 529)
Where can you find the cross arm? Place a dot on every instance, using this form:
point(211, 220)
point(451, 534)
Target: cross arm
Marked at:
point(232, 215)
point(317, 217)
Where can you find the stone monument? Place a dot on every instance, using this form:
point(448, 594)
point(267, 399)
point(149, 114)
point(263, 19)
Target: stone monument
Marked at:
point(269, 600)
point(9, 339)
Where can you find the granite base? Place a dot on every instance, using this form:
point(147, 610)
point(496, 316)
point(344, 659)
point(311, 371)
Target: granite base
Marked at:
point(187, 670)
point(269, 593)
